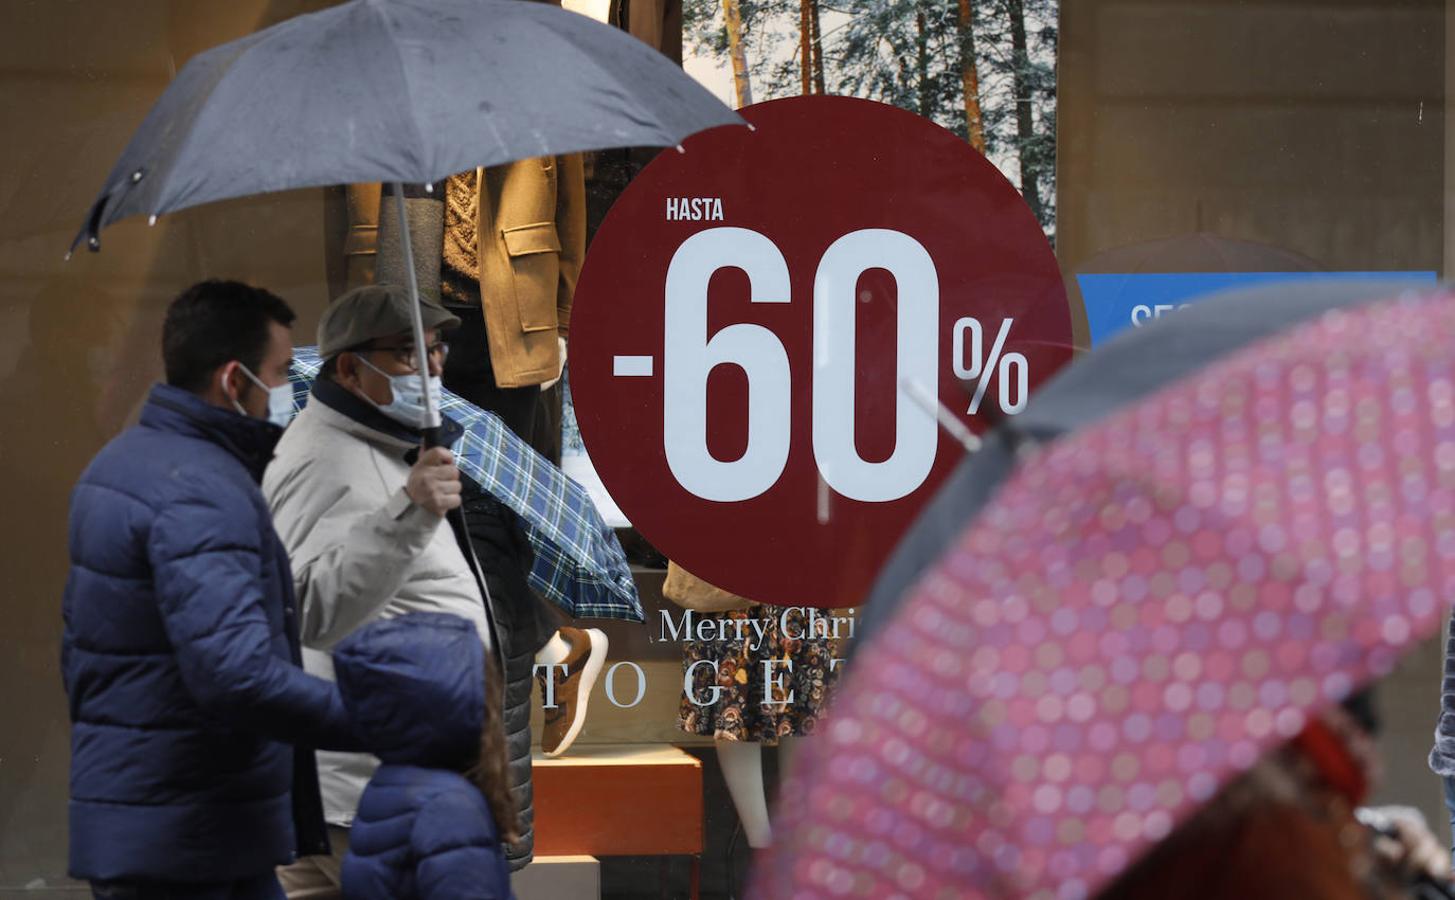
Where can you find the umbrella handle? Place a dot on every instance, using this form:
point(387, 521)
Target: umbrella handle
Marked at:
point(431, 437)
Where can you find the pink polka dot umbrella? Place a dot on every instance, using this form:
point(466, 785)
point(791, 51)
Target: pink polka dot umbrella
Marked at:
point(1146, 608)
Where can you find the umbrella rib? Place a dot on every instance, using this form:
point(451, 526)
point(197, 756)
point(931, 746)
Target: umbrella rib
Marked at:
point(408, 117)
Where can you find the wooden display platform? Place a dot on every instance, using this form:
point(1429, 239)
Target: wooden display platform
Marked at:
point(558, 878)
point(619, 800)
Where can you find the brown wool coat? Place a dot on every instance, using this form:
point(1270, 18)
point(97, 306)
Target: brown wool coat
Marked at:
point(534, 212)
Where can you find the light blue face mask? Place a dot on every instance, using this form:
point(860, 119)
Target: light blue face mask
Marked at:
point(407, 407)
point(280, 399)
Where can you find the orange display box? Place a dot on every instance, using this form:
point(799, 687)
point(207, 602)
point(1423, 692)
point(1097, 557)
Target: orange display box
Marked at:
point(619, 800)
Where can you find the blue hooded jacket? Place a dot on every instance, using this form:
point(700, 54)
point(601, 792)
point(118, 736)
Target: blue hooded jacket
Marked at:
point(415, 686)
point(180, 659)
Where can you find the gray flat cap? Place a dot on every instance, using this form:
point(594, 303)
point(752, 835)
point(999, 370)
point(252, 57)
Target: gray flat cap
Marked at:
point(371, 312)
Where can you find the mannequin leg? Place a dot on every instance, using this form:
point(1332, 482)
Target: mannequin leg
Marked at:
point(788, 751)
point(742, 769)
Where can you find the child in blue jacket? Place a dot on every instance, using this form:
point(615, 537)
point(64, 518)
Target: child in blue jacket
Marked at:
point(433, 822)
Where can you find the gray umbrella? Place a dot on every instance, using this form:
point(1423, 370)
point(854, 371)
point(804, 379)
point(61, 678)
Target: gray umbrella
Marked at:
point(398, 91)
point(1124, 370)
point(402, 91)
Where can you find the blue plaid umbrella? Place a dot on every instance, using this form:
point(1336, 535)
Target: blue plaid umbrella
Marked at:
point(579, 564)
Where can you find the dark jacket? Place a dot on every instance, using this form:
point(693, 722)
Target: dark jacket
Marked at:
point(180, 659)
point(416, 686)
point(1442, 755)
point(505, 558)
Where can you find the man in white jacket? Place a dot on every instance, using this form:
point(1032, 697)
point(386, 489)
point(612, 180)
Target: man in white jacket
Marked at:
point(364, 520)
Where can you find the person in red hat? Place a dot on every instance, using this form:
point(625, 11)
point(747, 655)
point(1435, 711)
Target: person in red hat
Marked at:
point(1290, 827)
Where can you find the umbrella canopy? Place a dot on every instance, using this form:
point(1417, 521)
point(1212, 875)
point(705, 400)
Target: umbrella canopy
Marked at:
point(1128, 368)
point(397, 91)
point(577, 563)
point(1142, 611)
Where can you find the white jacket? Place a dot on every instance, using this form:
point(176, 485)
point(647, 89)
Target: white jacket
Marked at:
point(360, 550)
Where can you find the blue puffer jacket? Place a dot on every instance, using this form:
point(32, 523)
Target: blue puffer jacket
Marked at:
point(180, 659)
point(415, 686)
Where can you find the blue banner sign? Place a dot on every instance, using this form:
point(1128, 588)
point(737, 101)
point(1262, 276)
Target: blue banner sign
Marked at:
point(1115, 302)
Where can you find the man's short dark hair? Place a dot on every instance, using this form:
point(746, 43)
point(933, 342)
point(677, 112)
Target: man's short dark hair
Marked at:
point(214, 322)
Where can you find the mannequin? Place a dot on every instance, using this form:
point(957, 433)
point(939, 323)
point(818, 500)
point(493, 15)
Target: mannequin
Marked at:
point(763, 681)
point(512, 290)
point(793, 673)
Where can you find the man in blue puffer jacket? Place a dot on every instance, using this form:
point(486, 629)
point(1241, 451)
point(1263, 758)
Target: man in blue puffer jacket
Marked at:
point(180, 653)
point(415, 686)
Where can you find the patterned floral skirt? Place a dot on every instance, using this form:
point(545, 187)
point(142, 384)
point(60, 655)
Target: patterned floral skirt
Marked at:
point(760, 680)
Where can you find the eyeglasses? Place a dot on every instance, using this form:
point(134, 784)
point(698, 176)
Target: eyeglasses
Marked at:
point(404, 354)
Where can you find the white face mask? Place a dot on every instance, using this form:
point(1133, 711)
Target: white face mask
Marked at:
point(280, 399)
point(407, 407)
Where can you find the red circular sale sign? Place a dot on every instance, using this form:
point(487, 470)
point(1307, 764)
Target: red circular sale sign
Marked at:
point(765, 322)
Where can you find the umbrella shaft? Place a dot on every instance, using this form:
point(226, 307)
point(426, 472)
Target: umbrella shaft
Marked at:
point(421, 352)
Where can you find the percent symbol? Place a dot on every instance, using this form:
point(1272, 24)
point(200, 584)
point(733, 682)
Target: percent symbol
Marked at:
point(979, 366)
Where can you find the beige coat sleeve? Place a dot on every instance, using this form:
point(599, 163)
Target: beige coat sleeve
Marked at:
point(350, 555)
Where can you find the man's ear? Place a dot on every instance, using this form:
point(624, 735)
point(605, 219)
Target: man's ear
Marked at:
point(226, 378)
point(345, 368)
